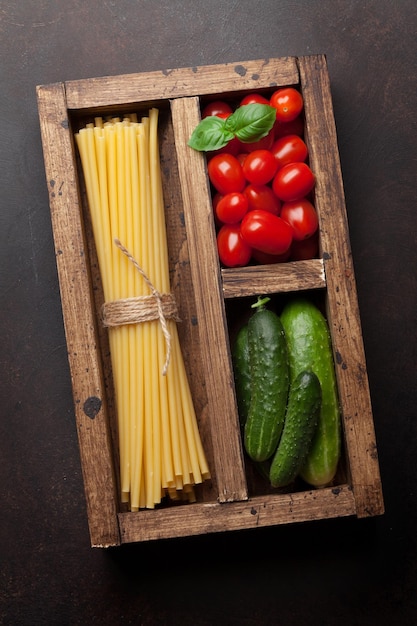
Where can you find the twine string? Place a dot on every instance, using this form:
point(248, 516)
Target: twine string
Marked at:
point(134, 310)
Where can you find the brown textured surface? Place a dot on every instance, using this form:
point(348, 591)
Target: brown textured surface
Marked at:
point(341, 571)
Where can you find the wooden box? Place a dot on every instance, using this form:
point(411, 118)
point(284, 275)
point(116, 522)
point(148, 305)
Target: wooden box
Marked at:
point(208, 298)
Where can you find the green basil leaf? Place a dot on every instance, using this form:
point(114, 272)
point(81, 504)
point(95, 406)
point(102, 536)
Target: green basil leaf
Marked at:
point(210, 134)
point(251, 122)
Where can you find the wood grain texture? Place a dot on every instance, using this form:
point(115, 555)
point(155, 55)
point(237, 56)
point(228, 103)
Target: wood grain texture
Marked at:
point(267, 279)
point(80, 324)
point(342, 304)
point(260, 511)
point(205, 269)
point(125, 90)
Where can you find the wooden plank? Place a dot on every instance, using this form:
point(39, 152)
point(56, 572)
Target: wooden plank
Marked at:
point(342, 303)
point(125, 89)
point(79, 321)
point(258, 512)
point(266, 279)
point(215, 354)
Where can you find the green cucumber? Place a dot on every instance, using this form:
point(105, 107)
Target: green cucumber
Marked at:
point(242, 376)
point(309, 348)
point(241, 371)
point(269, 373)
point(303, 409)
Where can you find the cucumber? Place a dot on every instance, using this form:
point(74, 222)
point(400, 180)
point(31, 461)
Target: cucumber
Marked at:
point(242, 376)
point(241, 371)
point(269, 374)
point(309, 348)
point(301, 418)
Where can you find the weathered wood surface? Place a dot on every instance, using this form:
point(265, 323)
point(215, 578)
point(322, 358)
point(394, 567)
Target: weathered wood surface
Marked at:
point(125, 90)
point(259, 512)
point(268, 279)
point(79, 320)
point(215, 353)
point(342, 304)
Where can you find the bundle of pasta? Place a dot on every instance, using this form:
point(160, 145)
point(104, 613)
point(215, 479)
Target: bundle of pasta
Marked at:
point(160, 447)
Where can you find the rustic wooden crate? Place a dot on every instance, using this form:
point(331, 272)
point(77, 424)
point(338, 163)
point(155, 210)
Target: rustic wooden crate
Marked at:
point(208, 297)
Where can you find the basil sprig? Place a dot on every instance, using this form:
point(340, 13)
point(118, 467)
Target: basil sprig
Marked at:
point(248, 123)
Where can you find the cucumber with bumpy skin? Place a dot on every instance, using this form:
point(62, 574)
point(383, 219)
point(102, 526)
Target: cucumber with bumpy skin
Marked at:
point(241, 370)
point(242, 376)
point(303, 409)
point(269, 372)
point(309, 348)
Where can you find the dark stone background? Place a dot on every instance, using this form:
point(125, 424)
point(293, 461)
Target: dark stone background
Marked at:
point(358, 572)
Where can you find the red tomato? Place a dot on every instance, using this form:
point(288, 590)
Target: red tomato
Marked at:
point(288, 103)
point(254, 98)
point(262, 197)
point(295, 127)
point(231, 208)
point(266, 232)
point(266, 259)
point(241, 157)
point(233, 250)
point(302, 217)
point(259, 167)
point(225, 173)
point(289, 149)
point(305, 249)
point(218, 107)
point(265, 143)
point(216, 199)
point(293, 182)
point(214, 202)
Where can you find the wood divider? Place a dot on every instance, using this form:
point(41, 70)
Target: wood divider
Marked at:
point(205, 269)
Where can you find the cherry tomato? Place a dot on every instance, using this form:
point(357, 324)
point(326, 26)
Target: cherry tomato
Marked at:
point(289, 149)
point(295, 127)
point(262, 197)
point(214, 202)
point(241, 157)
point(266, 232)
point(267, 259)
point(288, 103)
point(265, 143)
point(231, 208)
point(254, 98)
point(305, 249)
point(259, 167)
point(302, 217)
point(218, 107)
point(293, 182)
point(226, 173)
point(232, 248)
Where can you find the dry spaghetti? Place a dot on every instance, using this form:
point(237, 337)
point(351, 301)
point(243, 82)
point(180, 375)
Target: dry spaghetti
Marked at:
point(160, 447)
